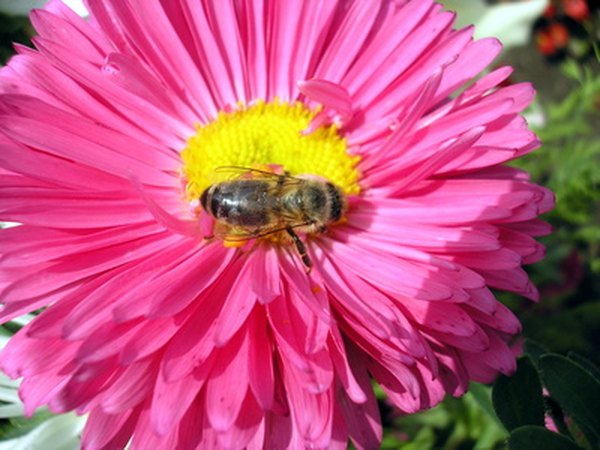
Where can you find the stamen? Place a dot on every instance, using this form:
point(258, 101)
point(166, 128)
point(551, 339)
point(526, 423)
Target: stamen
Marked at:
point(269, 134)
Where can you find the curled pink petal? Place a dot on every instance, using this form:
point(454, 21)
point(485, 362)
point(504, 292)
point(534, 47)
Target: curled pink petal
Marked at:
point(328, 94)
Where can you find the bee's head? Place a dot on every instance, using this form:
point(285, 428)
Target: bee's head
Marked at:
point(204, 198)
point(338, 204)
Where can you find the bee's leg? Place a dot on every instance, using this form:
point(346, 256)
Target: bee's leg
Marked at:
point(301, 249)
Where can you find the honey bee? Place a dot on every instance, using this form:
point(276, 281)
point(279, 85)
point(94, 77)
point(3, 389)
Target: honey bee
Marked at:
point(261, 203)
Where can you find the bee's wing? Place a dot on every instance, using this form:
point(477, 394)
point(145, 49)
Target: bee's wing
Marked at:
point(251, 172)
point(241, 234)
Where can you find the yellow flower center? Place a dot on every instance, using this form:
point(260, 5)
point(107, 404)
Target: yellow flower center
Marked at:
point(267, 134)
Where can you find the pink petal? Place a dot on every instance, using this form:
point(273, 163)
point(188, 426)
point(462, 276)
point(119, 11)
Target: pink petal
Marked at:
point(130, 389)
point(352, 390)
point(472, 59)
point(424, 35)
point(310, 301)
point(402, 386)
point(146, 435)
point(191, 276)
point(139, 347)
point(383, 52)
point(265, 278)
point(328, 94)
point(389, 277)
point(105, 430)
point(171, 400)
point(237, 305)
point(261, 375)
point(224, 26)
point(311, 412)
point(192, 345)
point(50, 169)
point(444, 317)
point(347, 40)
point(227, 386)
point(150, 29)
point(94, 348)
point(74, 134)
point(85, 384)
point(361, 418)
point(37, 390)
point(255, 47)
point(315, 370)
point(63, 30)
point(245, 427)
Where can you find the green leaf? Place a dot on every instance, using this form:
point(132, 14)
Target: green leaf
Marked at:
point(572, 69)
point(424, 440)
point(576, 390)
point(481, 394)
point(586, 364)
point(518, 399)
point(19, 426)
point(531, 437)
point(534, 350)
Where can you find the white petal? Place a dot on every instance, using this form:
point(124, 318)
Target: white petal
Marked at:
point(509, 22)
point(14, 410)
point(19, 7)
point(77, 6)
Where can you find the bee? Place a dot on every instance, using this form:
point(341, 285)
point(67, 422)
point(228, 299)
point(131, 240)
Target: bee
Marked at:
point(261, 203)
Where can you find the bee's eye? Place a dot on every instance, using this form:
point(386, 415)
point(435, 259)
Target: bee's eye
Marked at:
point(204, 199)
point(337, 202)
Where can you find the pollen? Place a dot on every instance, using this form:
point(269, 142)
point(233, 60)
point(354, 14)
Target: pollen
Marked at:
point(267, 134)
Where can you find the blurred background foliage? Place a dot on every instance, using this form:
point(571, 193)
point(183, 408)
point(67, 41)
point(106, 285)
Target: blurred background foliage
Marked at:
point(13, 29)
point(561, 56)
point(569, 164)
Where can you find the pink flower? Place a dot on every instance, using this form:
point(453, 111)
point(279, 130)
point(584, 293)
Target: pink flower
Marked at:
point(112, 129)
